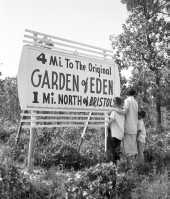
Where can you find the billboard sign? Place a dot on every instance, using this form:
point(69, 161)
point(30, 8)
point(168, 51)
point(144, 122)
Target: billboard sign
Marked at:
point(49, 80)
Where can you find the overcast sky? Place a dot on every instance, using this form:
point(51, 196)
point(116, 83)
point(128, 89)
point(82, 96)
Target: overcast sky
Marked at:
point(86, 21)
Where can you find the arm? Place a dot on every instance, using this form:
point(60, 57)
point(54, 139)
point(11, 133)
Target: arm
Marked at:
point(139, 129)
point(126, 107)
point(138, 133)
point(109, 113)
point(123, 112)
point(110, 121)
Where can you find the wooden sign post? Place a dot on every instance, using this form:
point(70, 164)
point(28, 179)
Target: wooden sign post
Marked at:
point(67, 76)
point(31, 146)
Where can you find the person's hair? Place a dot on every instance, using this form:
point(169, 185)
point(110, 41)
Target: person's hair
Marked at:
point(142, 114)
point(118, 101)
point(131, 91)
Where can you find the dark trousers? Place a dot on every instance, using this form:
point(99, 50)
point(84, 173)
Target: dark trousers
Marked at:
point(113, 147)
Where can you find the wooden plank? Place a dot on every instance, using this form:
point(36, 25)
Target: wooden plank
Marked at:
point(63, 125)
point(66, 40)
point(67, 109)
point(69, 51)
point(64, 120)
point(61, 115)
point(84, 131)
point(66, 45)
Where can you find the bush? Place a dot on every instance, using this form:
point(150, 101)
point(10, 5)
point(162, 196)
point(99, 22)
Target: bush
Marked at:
point(61, 153)
point(126, 184)
point(156, 152)
point(6, 130)
point(57, 147)
point(57, 154)
point(101, 181)
point(156, 188)
point(19, 152)
point(15, 185)
point(52, 149)
point(96, 182)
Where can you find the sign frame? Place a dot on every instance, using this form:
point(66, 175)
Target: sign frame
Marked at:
point(49, 43)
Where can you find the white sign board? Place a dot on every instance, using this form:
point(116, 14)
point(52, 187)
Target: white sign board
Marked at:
point(49, 80)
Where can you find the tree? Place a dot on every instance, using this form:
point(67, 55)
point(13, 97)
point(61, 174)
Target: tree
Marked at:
point(9, 101)
point(154, 6)
point(142, 47)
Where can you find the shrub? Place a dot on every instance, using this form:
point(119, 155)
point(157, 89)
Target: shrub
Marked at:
point(67, 155)
point(56, 147)
point(6, 130)
point(15, 185)
point(57, 154)
point(101, 181)
point(19, 152)
point(156, 152)
point(152, 188)
point(96, 182)
point(126, 184)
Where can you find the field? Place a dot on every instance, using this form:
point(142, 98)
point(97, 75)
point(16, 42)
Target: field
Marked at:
point(61, 171)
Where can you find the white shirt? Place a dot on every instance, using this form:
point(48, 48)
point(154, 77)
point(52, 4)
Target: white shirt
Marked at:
point(142, 134)
point(117, 127)
point(131, 118)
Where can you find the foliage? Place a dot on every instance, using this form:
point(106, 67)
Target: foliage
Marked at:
point(126, 184)
point(88, 173)
point(56, 154)
point(61, 148)
point(156, 152)
point(9, 101)
point(46, 42)
point(15, 185)
point(99, 181)
point(96, 182)
point(6, 130)
point(152, 188)
point(58, 148)
point(16, 152)
point(154, 6)
point(141, 46)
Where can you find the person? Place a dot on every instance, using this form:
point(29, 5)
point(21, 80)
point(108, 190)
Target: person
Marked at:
point(129, 141)
point(115, 131)
point(141, 135)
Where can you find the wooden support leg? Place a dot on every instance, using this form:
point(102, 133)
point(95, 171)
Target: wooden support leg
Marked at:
point(31, 147)
point(31, 150)
point(84, 131)
point(106, 132)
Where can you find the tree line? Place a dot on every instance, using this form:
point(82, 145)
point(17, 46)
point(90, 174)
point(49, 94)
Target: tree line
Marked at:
point(141, 46)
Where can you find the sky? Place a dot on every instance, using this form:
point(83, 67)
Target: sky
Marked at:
point(86, 21)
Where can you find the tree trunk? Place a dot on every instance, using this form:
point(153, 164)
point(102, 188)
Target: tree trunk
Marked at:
point(158, 99)
point(158, 109)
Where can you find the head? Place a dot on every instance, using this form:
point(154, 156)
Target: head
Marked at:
point(130, 91)
point(141, 115)
point(118, 101)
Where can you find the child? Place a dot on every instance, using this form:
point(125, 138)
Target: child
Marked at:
point(141, 135)
point(115, 131)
